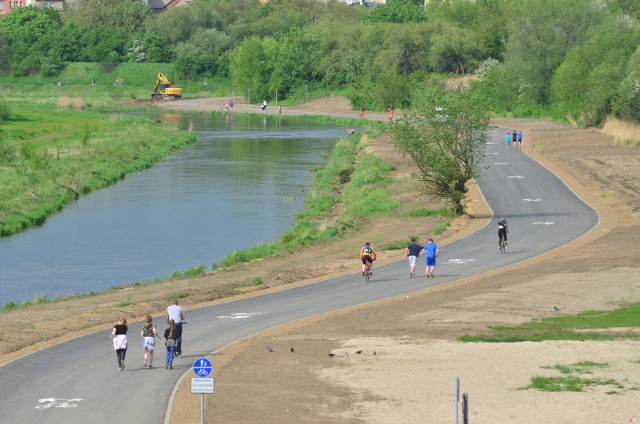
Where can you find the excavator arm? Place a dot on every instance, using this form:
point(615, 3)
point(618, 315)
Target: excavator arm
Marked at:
point(167, 90)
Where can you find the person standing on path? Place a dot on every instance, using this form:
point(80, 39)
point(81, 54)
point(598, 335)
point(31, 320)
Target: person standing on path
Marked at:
point(119, 337)
point(514, 137)
point(432, 251)
point(391, 111)
point(413, 251)
point(507, 139)
point(362, 112)
point(149, 332)
point(176, 313)
point(172, 335)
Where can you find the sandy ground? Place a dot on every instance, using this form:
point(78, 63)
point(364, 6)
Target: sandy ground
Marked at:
point(411, 377)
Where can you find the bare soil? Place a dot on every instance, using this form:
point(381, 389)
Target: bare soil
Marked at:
point(409, 356)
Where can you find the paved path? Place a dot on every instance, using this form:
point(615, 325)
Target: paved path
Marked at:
point(78, 382)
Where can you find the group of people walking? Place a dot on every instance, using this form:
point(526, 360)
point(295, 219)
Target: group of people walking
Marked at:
point(512, 138)
point(368, 255)
point(149, 334)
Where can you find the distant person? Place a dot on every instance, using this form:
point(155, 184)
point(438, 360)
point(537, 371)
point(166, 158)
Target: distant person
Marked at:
point(176, 313)
point(279, 110)
point(226, 106)
point(119, 337)
point(149, 332)
point(391, 111)
point(362, 112)
point(171, 335)
point(231, 105)
point(264, 105)
point(514, 137)
point(431, 249)
point(93, 82)
point(507, 139)
point(520, 139)
point(413, 251)
point(503, 230)
point(367, 256)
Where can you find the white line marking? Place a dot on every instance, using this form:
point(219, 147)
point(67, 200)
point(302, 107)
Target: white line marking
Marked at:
point(458, 261)
point(501, 163)
point(532, 200)
point(515, 176)
point(240, 315)
point(542, 223)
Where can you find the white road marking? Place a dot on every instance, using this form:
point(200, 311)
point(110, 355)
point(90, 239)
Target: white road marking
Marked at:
point(240, 315)
point(542, 223)
point(501, 163)
point(47, 403)
point(458, 261)
point(532, 200)
point(515, 176)
point(492, 153)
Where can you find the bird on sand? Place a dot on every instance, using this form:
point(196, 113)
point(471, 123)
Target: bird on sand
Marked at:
point(270, 349)
point(331, 354)
point(292, 349)
point(359, 351)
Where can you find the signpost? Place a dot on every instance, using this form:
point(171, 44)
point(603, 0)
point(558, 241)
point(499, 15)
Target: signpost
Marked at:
point(202, 368)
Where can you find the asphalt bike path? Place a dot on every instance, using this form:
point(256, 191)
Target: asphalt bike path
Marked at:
point(78, 382)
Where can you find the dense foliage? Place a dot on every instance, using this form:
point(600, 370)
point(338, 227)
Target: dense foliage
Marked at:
point(576, 58)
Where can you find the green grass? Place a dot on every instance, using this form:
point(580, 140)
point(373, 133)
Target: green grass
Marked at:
point(569, 383)
point(398, 245)
point(195, 271)
point(254, 283)
point(177, 296)
point(424, 212)
point(582, 367)
point(570, 327)
point(124, 303)
point(50, 157)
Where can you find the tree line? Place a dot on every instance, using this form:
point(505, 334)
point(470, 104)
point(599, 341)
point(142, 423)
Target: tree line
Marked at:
point(560, 58)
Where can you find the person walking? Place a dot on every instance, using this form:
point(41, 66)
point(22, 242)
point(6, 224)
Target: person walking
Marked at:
point(119, 337)
point(362, 112)
point(432, 252)
point(514, 137)
point(413, 251)
point(520, 139)
point(176, 313)
point(507, 139)
point(171, 335)
point(391, 111)
point(149, 334)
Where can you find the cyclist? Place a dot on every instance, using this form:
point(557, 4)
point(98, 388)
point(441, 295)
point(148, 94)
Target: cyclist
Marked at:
point(503, 230)
point(367, 256)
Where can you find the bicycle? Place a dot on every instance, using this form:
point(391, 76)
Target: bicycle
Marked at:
point(367, 273)
point(501, 244)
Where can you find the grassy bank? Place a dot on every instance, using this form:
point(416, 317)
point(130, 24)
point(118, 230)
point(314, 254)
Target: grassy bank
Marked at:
point(589, 325)
point(50, 155)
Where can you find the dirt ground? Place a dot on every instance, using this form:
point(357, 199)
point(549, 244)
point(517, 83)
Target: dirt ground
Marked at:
point(409, 358)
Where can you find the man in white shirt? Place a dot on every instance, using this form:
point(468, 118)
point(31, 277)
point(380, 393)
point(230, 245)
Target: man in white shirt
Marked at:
point(176, 313)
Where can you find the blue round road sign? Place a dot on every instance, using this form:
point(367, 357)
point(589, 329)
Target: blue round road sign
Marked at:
point(202, 367)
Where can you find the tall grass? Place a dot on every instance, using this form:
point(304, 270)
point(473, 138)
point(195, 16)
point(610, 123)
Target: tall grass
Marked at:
point(624, 133)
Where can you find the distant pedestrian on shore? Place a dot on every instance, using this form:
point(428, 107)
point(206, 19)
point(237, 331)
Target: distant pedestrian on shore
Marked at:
point(520, 139)
point(413, 251)
point(362, 112)
point(391, 111)
point(514, 138)
point(119, 337)
point(149, 332)
point(507, 139)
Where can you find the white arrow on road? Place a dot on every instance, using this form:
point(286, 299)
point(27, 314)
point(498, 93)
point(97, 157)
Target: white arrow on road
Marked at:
point(240, 315)
point(532, 200)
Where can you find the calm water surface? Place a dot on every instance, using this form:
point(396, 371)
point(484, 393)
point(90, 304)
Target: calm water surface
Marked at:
point(239, 185)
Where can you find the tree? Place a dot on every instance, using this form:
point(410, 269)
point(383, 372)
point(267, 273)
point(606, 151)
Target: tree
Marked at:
point(398, 11)
point(541, 34)
point(587, 84)
point(445, 135)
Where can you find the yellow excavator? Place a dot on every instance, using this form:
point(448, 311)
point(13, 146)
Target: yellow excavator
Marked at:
point(167, 90)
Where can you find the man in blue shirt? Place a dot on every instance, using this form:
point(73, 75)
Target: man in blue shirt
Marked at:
point(432, 251)
point(413, 251)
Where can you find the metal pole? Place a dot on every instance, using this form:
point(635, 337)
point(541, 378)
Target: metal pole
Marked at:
point(457, 397)
point(201, 408)
point(306, 93)
point(465, 408)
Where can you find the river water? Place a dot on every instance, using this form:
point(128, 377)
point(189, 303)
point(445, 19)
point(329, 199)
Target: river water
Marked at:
point(238, 186)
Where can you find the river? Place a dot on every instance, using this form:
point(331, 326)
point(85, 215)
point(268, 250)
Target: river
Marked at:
point(238, 186)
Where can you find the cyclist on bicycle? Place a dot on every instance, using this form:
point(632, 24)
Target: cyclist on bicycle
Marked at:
point(503, 230)
point(367, 256)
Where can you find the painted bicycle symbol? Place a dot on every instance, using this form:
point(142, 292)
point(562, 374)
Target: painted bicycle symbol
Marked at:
point(57, 403)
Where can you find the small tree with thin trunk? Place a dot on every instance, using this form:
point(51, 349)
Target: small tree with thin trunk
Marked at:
point(445, 134)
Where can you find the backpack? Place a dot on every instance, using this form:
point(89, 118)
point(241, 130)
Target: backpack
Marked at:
point(367, 249)
point(502, 226)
